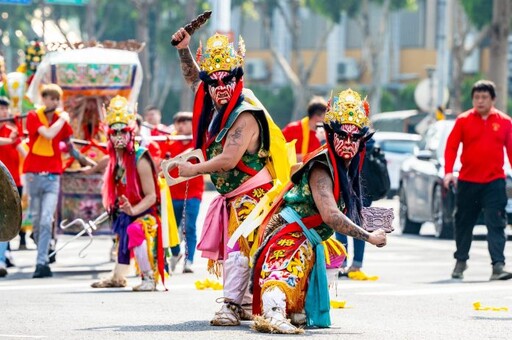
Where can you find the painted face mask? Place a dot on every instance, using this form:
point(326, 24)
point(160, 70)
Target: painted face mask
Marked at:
point(120, 137)
point(221, 87)
point(346, 142)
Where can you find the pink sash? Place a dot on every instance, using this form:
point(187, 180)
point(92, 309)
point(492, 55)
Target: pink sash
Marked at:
point(216, 222)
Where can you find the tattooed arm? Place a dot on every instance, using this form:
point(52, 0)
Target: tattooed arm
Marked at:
point(321, 186)
point(189, 67)
point(242, 136)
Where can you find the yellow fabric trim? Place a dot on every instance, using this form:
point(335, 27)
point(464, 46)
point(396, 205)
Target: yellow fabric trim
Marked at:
point(170, 234)
point(305, 136)
point(278, 166)
point(149, 226)
point(43, 146)
point(332, 245)
point(232, 226)
point(214, 267)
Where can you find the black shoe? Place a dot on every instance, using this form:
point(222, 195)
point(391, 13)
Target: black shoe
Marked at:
point(42, 271)
point(23, 241)
point(3, 271)
point(498, 273)
point(52, 258)
point(342, 274)
point(8, 260)
point(458, 271)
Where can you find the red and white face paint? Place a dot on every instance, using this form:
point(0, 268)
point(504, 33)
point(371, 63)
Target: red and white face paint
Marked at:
point(346, 145)
point(221, 93)
point(120, 138)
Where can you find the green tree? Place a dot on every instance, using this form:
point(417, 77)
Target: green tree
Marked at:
point(298, 76)
point(463, 17)
point(499, 21)
point(373, 42)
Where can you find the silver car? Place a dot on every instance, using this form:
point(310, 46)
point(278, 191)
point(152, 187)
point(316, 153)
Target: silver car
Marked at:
point(423, 197)
point(397, 147)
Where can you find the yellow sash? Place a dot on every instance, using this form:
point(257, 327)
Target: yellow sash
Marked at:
point(43, 146)
point(170, 234)
point(279, 167)
point(305, 136)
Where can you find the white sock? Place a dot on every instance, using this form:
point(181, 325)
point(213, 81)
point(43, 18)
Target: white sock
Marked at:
point(120, 271)
point(141, 254)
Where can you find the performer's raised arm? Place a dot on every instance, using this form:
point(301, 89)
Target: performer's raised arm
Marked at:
point(189, 67)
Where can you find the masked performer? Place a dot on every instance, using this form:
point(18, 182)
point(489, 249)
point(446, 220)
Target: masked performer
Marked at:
point(238, 140)
point(130, 195)
point(289, 272)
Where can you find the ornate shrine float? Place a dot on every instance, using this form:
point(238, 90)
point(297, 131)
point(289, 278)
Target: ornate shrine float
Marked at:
point(90, 74)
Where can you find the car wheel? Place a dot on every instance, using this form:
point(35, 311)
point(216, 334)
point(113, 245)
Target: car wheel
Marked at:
point(442, 210)
point(406, 225)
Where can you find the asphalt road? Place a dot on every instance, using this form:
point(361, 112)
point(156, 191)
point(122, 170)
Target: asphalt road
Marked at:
point(414, 298)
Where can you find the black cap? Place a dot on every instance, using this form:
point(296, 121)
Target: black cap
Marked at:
point(5, 101)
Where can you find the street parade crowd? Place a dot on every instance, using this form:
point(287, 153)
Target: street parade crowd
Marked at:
point(270, 231)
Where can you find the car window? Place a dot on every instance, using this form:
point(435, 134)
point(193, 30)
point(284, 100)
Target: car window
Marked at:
point(431, 139)
point(398, 146)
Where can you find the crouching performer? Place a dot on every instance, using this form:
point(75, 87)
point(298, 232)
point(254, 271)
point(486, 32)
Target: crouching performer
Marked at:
point(245, 155)
point(289, 279)
point(130, 195)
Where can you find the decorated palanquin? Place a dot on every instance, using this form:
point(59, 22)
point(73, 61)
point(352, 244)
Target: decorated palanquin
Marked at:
point(89, 78)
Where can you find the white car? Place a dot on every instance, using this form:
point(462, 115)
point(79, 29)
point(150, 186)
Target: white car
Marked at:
point(397, 147)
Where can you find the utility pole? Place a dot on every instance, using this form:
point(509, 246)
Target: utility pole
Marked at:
point(441, 62)
point(43, 17)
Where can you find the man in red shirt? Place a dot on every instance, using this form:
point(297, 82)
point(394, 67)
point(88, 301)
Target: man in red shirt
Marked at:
point(10, 150)
point(307, 140)
point(152, 121)
point(483, 132)
point(47, 127)
point(185, 195)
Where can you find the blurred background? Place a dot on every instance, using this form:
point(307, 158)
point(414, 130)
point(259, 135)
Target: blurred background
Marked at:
point(420, 55)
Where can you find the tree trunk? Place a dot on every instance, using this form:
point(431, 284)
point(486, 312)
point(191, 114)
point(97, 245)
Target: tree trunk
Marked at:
point(90, 20)
point(372, 51)
point(498, 71)
point(460, 31)
point(300, 91)
point(460, 51)
point(142, 32)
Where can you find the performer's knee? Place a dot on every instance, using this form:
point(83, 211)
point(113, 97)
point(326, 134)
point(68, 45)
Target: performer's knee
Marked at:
point(136, 234)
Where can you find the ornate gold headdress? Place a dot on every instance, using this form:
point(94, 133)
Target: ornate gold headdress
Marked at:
point(348, 108)
point(220, 54)
point(120, 111)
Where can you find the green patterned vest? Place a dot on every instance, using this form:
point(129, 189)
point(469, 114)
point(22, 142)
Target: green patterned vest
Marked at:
point(300, 198)
point(230, 180)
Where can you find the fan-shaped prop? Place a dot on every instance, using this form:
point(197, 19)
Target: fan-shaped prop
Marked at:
point(10, 206)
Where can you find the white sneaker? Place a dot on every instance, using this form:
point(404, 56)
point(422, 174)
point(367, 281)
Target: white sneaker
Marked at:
point(187, 268)
point(174, 261)
point(147, 285)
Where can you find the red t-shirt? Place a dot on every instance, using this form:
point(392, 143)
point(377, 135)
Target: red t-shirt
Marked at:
point(36, 163)
point(294, 131)
point(482, 155)
point(195, 185)
point(163, 145)
point(9, 155)
point(154, 152)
